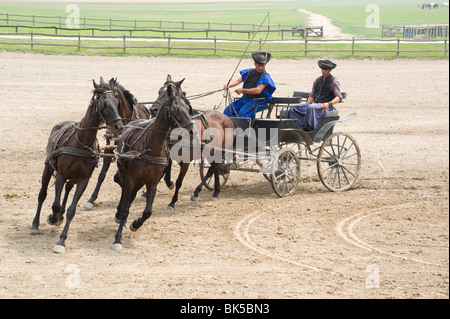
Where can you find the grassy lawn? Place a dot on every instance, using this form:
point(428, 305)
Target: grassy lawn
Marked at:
point(349, 15)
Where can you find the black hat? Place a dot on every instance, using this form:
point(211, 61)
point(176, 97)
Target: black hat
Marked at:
point(261, 57)
point(326, 64)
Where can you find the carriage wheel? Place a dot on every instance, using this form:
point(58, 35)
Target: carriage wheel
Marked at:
point(223, 175)
point(286, 175)
point(339, 162)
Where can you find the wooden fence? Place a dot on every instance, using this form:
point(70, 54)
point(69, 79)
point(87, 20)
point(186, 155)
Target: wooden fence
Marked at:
point(170, 43)
point(421, 32)
point(130, 26)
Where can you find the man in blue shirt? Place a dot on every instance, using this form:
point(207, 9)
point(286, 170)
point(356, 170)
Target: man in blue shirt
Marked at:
point(257, 89)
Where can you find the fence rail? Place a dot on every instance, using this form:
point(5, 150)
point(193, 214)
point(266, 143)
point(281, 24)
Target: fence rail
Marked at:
point(170, 43)
point(130, 26)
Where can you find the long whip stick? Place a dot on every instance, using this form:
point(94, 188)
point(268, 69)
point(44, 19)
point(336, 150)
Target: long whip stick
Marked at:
point(247, 49)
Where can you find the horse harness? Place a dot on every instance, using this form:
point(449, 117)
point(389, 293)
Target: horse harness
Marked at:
point(121, 154)
point(54, 149)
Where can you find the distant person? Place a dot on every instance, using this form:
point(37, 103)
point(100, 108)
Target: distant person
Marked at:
point(257, 89)
point(325, 93)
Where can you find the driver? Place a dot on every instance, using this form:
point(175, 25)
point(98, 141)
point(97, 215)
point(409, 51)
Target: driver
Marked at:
point(257, 89)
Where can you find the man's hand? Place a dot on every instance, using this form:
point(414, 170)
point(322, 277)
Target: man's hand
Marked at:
point(238, 91)
point(325, 106)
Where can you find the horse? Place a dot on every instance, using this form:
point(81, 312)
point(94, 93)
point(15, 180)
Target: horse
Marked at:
point(129, 110)
point(143, 155)
point(212, 121)
point(71, 153)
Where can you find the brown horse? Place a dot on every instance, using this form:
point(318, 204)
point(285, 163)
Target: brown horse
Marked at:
point(143, 155)
point(129, 110)
point(71, 152)
point(212, 127)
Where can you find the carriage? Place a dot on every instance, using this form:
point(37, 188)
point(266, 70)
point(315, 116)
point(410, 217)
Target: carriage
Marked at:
point(337, 155)
point(143, 151)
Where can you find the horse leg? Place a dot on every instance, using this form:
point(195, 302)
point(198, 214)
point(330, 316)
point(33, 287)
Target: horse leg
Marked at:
point(215, 195)
point(135, 225)
point(57, 218)
point(167, 175)
point(46, 176)
point(183, 170)
point(200, 186)
point(122, 213)
point(69, 186)
point(132, 198)
point(60, 246)
point(101, 177)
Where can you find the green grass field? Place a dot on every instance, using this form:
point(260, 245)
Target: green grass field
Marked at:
point(349, 15)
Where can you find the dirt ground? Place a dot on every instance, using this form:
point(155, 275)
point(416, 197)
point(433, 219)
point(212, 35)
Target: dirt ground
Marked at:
point(387, 238)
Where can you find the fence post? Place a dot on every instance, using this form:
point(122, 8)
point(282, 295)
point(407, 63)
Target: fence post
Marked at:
point(260, 45)
point(445, 46)
point(31, 42)
point(7, 18)
point(124, 44)
point(79, 42)
point(306, 46)
point(353, 46)
point(398, 46)
point(168, 45)
point(215, 45)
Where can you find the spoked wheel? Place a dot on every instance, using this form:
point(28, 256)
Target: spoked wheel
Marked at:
point(286, 175)
point(339, 162)
point(224, 173)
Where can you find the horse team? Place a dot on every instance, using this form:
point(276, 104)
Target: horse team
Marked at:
point(142, 152)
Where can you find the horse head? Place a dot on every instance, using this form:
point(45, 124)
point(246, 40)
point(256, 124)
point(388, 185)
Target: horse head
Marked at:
point(175, 104)
point(106, 104)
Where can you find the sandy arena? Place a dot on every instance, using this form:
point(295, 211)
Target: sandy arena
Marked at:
point(387, 238)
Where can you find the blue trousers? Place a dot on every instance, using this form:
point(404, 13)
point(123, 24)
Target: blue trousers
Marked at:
point(245, 107)
point(308, 116)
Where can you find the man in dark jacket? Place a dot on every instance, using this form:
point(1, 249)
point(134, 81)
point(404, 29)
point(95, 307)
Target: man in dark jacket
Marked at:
point(325, 93)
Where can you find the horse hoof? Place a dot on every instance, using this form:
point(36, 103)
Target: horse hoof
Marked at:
point(117, 246)
point(34, 231)
point(171, 185)
point(213, 198)
point(88, 206)
point(132, 228)
point(59, 249)
point(57, 223)
point(194, 198)
point(170, 208)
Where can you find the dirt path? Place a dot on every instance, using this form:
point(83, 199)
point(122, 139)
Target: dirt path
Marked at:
point(330, 31)
point(388, 238)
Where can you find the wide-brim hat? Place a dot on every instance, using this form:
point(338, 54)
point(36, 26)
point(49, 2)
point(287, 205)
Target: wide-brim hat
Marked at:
point(261, 57)
point(326, 64)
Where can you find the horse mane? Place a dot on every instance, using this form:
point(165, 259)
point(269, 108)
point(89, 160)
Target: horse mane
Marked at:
point(129, 97)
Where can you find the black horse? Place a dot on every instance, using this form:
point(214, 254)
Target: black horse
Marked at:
point(129, 110)
point(71, 153)
point(144, 155)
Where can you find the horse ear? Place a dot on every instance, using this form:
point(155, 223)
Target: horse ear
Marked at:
point(169, 78)
point(180, 82)
point(95, 84)
point(102, 81)
point(112, 82)
point(169, 90)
